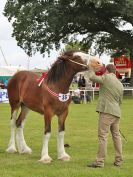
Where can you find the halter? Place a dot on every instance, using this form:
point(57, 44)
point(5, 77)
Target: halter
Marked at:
point(78, 63)
point(41, 79)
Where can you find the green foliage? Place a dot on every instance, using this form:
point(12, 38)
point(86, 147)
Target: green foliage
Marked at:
point(40, 25)
point(76, 46)
point(117, 53)
point(81, 135)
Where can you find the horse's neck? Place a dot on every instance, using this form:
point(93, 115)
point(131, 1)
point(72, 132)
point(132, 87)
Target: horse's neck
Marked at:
point(63, 84)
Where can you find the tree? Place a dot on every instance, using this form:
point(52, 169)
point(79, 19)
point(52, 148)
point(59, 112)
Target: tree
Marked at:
point(42, 25)
point(75, 46)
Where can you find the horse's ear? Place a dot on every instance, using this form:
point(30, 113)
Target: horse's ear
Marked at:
point(63, 57)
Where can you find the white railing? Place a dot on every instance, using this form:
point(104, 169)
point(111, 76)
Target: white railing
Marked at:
point(96, 89)
point(4, 95)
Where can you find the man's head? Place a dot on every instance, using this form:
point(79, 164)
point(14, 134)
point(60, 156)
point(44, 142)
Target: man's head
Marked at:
point(111, 68)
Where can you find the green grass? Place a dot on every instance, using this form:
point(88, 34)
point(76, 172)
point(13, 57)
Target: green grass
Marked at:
point(81, 135)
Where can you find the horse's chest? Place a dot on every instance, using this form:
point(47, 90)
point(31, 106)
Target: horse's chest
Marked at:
point(60, 107)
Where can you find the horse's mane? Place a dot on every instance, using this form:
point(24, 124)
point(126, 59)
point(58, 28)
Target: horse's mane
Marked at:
point(57, 71)
point(59, 68)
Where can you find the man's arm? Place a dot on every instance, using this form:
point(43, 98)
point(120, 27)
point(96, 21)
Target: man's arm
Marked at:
point(93, 77)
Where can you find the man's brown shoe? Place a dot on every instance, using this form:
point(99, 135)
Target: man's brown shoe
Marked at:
point(94, 165)
point(116, 165)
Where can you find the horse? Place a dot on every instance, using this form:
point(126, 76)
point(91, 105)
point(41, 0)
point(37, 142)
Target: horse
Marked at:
point(51, 98)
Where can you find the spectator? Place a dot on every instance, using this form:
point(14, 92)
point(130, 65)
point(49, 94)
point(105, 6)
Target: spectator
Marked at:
point(83, 82)
point(76, 96)
point(80, 82)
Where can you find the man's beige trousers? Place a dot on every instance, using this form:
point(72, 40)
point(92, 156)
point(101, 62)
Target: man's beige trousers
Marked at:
point(108, 122)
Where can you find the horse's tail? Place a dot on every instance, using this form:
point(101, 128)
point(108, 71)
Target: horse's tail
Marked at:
point(14, 93)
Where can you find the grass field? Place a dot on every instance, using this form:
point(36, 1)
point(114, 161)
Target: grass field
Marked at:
point(81, 135)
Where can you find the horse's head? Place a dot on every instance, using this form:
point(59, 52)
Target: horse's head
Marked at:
point(83, 61)
point(72, 62)
point(77, 59)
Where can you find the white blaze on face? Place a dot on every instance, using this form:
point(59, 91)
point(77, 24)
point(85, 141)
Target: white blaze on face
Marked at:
point(95, 63)
point(84, 57)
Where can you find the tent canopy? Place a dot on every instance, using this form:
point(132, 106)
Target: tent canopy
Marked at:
point(9, 70)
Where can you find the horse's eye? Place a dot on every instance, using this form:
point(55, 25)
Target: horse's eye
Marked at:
point(98, 62)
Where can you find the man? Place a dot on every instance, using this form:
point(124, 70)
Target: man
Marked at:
point(80, 82)
point(108, 107)
point(83, 81)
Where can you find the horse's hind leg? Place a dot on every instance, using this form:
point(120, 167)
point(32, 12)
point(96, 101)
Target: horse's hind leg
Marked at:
point(62, 155)
point(11, 146)
point(22, 146)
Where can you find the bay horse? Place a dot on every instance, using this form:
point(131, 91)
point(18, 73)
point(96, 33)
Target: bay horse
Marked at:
point(49, 99)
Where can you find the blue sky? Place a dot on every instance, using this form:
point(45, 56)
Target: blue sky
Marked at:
point(15, 56)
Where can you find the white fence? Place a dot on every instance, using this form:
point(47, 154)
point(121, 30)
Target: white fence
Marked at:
point(4, 95)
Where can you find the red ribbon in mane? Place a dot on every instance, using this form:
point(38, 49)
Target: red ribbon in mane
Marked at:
point(41, 79)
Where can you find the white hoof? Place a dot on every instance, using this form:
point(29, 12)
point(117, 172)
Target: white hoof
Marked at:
point(64, 157)
point(25, 150)
point(45, 160)
point(11, 149)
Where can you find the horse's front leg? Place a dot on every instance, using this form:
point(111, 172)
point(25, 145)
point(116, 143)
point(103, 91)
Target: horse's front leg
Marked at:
point(62, 155)
point(45, 158)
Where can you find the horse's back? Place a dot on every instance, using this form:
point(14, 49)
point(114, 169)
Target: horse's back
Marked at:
point(20, 78)
point(22, 75)
point(19, 84)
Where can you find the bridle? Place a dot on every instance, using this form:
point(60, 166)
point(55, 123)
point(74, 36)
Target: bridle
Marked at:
point(78, 63)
